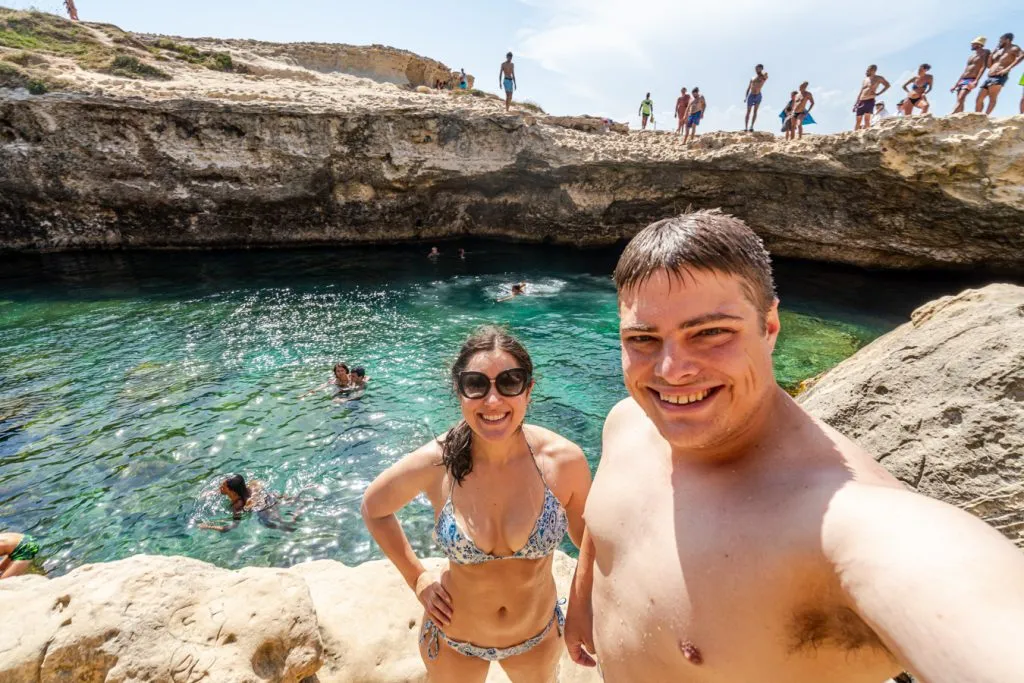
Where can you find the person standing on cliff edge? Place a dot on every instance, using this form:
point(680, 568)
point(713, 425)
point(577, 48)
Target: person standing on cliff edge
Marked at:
point(753, 97)
point(507, 79)
point(646, 111)
point(976, 65)
point(864, 107)
point(1000, 63)
point(732, 537)
point(682, 109)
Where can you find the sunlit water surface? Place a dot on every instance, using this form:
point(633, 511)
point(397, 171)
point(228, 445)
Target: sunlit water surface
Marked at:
point(130, 383)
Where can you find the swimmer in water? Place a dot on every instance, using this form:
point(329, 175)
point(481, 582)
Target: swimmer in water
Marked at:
point(434, 253)
point(253, 497)
point(356, 389)
point(517, 289)
point(16, 554)
point(342, 379)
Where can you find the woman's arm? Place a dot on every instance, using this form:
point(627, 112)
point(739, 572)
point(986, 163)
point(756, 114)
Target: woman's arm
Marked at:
point(416, 473)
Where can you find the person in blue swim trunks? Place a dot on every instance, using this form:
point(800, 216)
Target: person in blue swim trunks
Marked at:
point(16, 554)
point(1000, 64)
point(696, 112)
point(486, 478)
point(976, 65)
point(753, 96)
point(507, 78)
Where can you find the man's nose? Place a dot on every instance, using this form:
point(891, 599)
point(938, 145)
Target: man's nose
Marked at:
point(677, 364)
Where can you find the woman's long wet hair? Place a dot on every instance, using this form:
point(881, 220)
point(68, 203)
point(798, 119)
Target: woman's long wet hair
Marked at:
point(456, 453)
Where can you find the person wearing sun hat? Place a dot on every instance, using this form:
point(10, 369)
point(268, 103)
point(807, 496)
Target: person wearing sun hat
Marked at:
point(976, 65)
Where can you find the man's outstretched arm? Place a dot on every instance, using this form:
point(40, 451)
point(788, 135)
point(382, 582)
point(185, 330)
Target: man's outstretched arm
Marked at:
point(943, 590)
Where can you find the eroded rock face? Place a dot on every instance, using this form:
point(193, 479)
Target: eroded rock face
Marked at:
point(940, 402)
point(78, 172)
point(159, 619)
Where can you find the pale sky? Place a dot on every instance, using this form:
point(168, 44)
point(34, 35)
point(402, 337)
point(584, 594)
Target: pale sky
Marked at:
point(601, 56)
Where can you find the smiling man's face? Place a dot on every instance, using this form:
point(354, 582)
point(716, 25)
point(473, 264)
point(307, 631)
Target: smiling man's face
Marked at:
point(697, 356)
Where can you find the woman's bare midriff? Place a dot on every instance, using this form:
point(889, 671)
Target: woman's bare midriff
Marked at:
point(500, 603)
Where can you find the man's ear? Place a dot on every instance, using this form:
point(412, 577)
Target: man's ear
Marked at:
point(771, 323)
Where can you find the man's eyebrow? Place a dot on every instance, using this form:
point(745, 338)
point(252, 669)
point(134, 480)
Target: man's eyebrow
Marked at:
point(686, 324)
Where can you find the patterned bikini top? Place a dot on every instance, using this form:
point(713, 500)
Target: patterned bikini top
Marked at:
point(547, 534)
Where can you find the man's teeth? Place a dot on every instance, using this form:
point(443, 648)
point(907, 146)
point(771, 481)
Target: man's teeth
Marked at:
point(494, 418)
point(685, 398)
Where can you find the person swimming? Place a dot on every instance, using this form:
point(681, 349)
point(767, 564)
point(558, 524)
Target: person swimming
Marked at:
point(518, 289)
point(253, 497)
point(342, 379)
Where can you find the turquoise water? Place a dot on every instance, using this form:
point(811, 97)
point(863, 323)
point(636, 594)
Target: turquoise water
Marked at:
point(130, 383)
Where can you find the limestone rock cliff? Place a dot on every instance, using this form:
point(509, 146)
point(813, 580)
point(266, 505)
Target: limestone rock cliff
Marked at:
point(940, 402)
point(180, 620)
point(284, 148)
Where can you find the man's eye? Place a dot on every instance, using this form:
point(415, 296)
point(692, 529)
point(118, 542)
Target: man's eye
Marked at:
point(641, 339)
point(713, 332)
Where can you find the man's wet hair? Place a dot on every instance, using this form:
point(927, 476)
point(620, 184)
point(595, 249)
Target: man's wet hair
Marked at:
point(508, 55)
point(236, 482)
point(1008, 36)
point(873, 66)
point(359, 372)
point(759, 66)
point(926, 67)
point(701, 241)
point(695, 89)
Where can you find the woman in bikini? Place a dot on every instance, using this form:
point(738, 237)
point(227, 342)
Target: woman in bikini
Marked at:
point(917, 89)
point(504, 493)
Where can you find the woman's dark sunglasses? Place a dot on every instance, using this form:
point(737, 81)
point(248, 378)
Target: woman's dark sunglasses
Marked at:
point(510, 382)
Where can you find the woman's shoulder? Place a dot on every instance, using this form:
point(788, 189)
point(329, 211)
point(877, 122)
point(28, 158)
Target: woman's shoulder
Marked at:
point(553, 446)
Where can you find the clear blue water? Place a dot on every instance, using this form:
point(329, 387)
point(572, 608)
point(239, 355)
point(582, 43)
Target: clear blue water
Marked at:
point(131, 383)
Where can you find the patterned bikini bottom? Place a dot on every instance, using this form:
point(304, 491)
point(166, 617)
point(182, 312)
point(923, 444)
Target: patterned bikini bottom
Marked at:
point(432, 636)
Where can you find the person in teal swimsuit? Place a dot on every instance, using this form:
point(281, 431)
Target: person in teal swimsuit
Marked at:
point(486, 479)
point(16, 554)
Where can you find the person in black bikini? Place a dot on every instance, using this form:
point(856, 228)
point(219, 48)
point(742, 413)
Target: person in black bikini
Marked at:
point(917, 89)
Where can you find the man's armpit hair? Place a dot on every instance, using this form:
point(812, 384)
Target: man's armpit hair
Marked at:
point(840, 628)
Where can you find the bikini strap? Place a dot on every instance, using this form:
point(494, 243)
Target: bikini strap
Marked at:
point(533, 457)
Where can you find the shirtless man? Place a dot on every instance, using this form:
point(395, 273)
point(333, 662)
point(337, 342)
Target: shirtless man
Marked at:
point(917, 89)
point(507, 79)
point(731, 537)
point(976, 65)
point(801, 108)
point(865, 104)
point(694, 114)
point(753, 96)
point(1000, 64)
point(682, 109)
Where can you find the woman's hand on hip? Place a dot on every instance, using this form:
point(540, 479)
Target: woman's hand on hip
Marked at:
point(434, 597)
